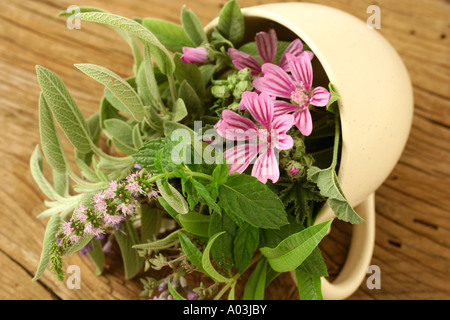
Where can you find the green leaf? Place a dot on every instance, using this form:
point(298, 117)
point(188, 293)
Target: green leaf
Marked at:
point(61, 183)
point(160, 53)
point(292, 251)
point(169, 209)
point(252, 201)
point(82, 9)
point(121, 134)
point(146, 155)
point(222, 249)
point(206, 262)
point(137, 137)
point(120, 88)
point(315, 264)
point(77, 246)
point(328, 184)
point(231, 22)
point(51, 145)
point(64, 109)
point(256, 283)
point(332, 106)
point(147, 85)
point(193, 27)
point(171, 35)
point(191, 73)
point(195, 223)
point(97, 255)
point(191, 99)
point(192, 252)
point(167, 242)
point(245, 244)
point(205, 195)
point(36, 167)
point(179, 111)
point(174, 292)
point(131, 260)
point(51, 230)
point(309, 286)
point(150, 222)
point(173, 197)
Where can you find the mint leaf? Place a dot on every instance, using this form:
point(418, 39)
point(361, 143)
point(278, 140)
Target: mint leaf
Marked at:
point(252, 201)
point(195, 223)
point(193, 27)
point(231, 22)
point(146, 156)
point(222, 250)
point(172, 36)
point(245, 244)
point(292, 251)
point(328, 184)
point(192, 252)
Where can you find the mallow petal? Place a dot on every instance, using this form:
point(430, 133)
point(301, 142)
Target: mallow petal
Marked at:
point(283, 107)
point(320, 97)
point(239, 157)
point(266, 44)
point(275, 82)
point(260, 107)
point(301, 69)
point(303, 121)
point(242, 60)
point(266, 167)
point(295, 48)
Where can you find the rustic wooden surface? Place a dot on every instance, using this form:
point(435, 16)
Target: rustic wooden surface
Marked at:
point(413, 217)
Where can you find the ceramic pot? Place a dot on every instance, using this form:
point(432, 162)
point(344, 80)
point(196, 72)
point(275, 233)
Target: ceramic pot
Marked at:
point(376, 109)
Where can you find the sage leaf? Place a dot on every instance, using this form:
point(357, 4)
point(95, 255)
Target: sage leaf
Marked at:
point(137, 137)
point(173, 197)
point(256, 283)
point(167, 242)
point(191, 99)
point(292, 251)
point(61, 183)
point(120, 88)
point(150, 222)
point(179, 111)
point(309, 286)
point(160, 53)
point(252, 201)
point(51, 230)
point(195, 223)
point(245, 244)
point(64, 109)
point(328, 184)
point(192, 252)
point(191, 73)
point(172, 36)
point(121, 134)
point(193, 27)
point(36, 167)
point(131, 260)
point(51, 144)
point(147, 85)
point(97, 256)
point(206, 262)
point(231, 22)
point(77, 246)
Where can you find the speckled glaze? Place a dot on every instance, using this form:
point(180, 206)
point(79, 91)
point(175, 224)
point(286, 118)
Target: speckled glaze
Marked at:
point(376, 109)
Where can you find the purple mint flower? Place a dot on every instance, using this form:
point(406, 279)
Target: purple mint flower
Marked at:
point(192, 295)
point(194, 55)
point(136, 166)
point(85, 250)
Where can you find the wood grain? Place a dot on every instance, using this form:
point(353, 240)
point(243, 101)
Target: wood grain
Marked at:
point(413, 217)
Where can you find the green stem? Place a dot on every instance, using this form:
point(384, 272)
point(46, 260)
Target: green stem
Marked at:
point(337, 130)
point(173, 91)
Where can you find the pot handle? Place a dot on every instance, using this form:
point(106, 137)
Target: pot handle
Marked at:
point(358, 257)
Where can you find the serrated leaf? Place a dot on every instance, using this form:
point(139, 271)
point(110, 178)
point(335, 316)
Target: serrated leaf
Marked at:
point(195, 223)
point(146, 155)
point(120, 88)
point(193, 27)
point(309, 286)
point(231, 22)
point(131, 260)
point(205, 195)
point(206, 262)
point(171, 35)
point(245, 244)
point(328, 184)
point(192, 252)
point(252, 201)
point(222, 249)
point(292, 251)
point(51, 230)
point(160, 53)
point(64, 109)
point(51, 144)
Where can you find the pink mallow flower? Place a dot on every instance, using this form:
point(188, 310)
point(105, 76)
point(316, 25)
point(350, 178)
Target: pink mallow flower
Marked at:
point(266, 45)
point(194, 55)
point(263, 139)
point(296, 86)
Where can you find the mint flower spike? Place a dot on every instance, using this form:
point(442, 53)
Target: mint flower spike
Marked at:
point(266, 45)
point(296, 86)
point(270, 134)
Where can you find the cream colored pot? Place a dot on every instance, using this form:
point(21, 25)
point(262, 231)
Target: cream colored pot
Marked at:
point(376, 109)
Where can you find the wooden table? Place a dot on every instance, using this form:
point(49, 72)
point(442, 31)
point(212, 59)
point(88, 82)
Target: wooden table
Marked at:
point(413, 217)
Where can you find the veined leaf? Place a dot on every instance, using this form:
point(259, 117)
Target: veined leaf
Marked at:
point(173, 197)
point(231, 22)
point(190, 73)
point(146, 155)
point(192, 252)
point(64, 109)
point(150, 222)
point(245, 244)
point(222, 249)
point(328, 184)
point(164, 243)
point(147, 85)
point(49, 238)
point(193, 27)
point(118, 87)
point(160, 53)
point(171, 35)
point(36, 167)
point(292, 251)
point(97, 255)
point(250, 200)
point(206, 262)
point(51, 145)
point(195, 223)
point(61, 183)
point(131, 260)
point(309, 286)
point(77, 246)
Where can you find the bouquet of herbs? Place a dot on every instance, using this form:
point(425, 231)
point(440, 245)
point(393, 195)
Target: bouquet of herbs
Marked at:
point(224, 153)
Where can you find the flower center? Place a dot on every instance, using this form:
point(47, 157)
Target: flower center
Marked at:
point(300, 97)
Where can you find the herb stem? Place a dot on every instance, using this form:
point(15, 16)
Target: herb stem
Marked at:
point(337, 134)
